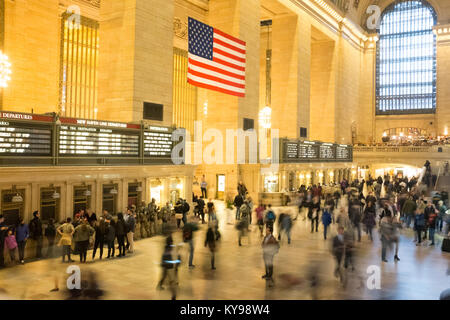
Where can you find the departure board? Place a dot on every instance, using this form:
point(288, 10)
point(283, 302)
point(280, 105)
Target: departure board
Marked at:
point(308, 150)
point(343, 152)
point(97, 141)
point(291, 150)
point(158, 142)
point(327, 151)
point(25, 135)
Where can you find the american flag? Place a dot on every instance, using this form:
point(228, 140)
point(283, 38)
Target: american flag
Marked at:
point(216, 60)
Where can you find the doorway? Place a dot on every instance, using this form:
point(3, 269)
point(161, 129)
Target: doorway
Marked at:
point(220, 183)
point(11, 209)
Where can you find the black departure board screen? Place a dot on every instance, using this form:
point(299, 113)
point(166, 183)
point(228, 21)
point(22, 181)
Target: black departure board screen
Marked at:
point(327, 151)
point(25, 135)
point(158, 142)
point(308, 150)
point(97, 141)
point(314, 151)
point(291, 150)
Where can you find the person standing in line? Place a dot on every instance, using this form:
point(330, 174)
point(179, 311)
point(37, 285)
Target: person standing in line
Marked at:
point(286, 226)
point(121, 232)
point(11, 245)
point(201, 209)
point(110, 236)
point(210, 241)
point(66, 231)
point(81, 236)
point(238, 202)
point(91, 216)
point(203, 186)
point(326, 221)
point(50, 234)
point(35, 227)
point(3, 234)
point(22, 234)
point(99, 241)
point(126, 216)
point(270, 248)
point(131, 228)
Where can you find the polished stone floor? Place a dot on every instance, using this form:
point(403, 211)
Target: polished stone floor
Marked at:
point(421, 273)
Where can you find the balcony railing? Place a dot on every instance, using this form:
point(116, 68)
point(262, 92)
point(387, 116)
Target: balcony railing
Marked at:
point(409, 149)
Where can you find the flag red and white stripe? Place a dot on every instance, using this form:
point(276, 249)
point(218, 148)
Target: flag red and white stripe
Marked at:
point(225, 72)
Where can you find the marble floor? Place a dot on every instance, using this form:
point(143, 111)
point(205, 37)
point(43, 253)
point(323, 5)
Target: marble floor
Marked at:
point(422, 272)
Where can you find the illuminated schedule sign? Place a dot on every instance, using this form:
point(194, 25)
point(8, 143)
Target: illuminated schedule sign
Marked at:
point(25, 134)
point(79, 137)
point(314, 151)
point(158, 142)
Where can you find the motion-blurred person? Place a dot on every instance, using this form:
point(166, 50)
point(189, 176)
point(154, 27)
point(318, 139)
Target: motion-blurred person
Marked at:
point(238, 202)
point(11, 245)
point(397, 225)
point(242, 227)
point(99, 241)
point(121, 231)
point(22, 234)
point(270, 247)
point(242, 189)
point(313, 213)
point(110, 236)
point(408, 209)
point(270, 217)
point(246, 212)
point(166, 214)
point(356, 217)
point(169, 263)
point(3, 233)
point(441, 216)
point(131, 228)
point(386, 233)
point(212, 216)
point(66, 231)
point(285, 227)
point(419, 225)
point(326, 221)
point(188, 236)
point(35, 227)
point(369, 218)
point(212, 235)
point(338, 252)
point(431, 222)
point(260, 218)
point(50, 234)
point(201, 209)
point(81, 237)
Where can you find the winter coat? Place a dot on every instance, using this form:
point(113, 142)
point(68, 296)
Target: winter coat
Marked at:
point(326, 218)
point(22, 232)
point(35, 227)
point(83, 233)
point(66, 239)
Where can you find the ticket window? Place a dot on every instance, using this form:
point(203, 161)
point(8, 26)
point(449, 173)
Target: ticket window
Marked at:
point(81, 198)
point(134, 194)
point(109, 201)
point(271, 183)
point(220, 186)
point(12, 210)
point(50, 204)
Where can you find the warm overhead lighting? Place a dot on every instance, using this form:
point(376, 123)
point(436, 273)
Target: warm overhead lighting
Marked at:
point(87, 193)
point(384, 134)
point(139, 189)
point(113, 191)
point(401, 134)
point(17, 198)
point(445, 131)
point(5, 70)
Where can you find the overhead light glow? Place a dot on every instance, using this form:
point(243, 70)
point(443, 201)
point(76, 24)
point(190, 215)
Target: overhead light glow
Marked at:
point(5, 70)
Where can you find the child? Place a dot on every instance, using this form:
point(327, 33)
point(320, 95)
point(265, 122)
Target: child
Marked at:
point(11, 244)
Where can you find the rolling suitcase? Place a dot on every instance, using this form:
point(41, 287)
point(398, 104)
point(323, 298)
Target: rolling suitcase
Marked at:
point(446, 245)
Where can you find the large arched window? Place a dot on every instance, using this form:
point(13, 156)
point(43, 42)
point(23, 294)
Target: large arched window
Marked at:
point(406, 59)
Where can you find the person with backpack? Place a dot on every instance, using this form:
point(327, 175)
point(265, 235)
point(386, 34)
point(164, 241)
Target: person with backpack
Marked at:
point(245, 212)
point(188, 235)
point(186, 209)
point(238, 202)
point(326, 221)
point(50, 234)
point(35, 227)
point(270, 217)
point(270, 248)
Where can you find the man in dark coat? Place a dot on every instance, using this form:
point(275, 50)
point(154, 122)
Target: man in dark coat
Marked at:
point(3, 232)
point(35, 227)
point(238, 202)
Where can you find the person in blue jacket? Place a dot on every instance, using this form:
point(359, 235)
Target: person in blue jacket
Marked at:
point(326, 220)
point(22, 234)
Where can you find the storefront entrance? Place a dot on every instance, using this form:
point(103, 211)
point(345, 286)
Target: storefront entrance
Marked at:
point(220, 183)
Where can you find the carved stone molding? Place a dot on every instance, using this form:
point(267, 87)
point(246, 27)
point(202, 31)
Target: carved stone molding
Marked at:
point(94, 3)
point(180, 28)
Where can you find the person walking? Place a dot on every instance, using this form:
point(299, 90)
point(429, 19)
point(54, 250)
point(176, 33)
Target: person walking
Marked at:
point(110, 236)
point(169, 265)
point(326, 221)
point(270, 248)
point(188, 236)
point(369, 218)
point(81, 237)
point(35, 227)
point(431, 222)
point(210, 241)
point(66, 232)
point(22, 234)
point(99, 240)
point(397, 225)
point(260, 218)
point(201, 209)
point(338, 250)
point(121, 231)
point(238, 202)
point(50, 234)
point(313, 213)
point(356, 217)
point(386, 233)
point(408, 209)
point(270, 217)
point(285, 227)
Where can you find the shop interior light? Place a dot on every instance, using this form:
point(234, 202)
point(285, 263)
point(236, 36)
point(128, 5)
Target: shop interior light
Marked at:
point(139, 189)
point(55, 194)
point(87, 193)
point(5, 70)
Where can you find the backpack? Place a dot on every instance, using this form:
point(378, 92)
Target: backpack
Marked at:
point(270, 215)
point(186, 207)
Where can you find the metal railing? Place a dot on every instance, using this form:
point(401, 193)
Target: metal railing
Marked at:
point(410, 149)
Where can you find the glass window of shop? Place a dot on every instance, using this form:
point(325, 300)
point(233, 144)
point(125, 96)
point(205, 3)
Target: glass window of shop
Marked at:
point(156, 189)
point(134, 194)
point(110, 198)
point(50, 204)
point(81, 198)
point(271, 183)
point(12, 208)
